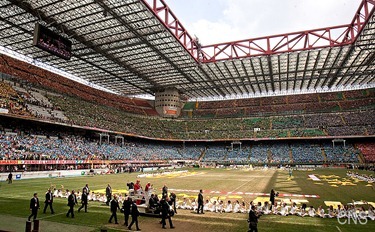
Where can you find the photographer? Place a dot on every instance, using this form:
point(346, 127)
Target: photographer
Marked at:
point(253, 220)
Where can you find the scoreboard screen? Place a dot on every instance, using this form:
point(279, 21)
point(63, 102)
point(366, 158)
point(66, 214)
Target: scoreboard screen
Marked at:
point(52, 42)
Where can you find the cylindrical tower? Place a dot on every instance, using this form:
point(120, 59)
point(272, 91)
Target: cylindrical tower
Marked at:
point(168, 102)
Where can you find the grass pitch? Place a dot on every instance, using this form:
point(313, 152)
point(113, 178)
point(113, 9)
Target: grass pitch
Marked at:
point(232, 184)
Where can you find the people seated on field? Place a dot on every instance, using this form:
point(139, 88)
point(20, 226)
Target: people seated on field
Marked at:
point(302, 211)
point(284, 209)
point(207, 205)
point(102, 198)
point(185, 204)
point(311, 211)
point(341, 212)
point(320, 212)
point(331, 212)
point(220, 207)
point(194, 205)
point(67, 193)
point(213, 207)
point(78, 194)
point(58, 193)
point(275, 208)
point(243, 207)
point(266, 208)
point(293, 209)
point(229, 207)
point(362, 213)
point(237, 207)
point(371, 213)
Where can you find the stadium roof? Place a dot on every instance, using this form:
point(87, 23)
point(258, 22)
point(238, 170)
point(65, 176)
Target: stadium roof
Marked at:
point(135, 47)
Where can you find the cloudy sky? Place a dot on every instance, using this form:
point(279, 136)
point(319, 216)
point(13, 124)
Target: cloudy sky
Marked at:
point(216, 21)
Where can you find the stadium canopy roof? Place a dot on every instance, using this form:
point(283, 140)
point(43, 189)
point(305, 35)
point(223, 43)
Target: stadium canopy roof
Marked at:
point(134, 47)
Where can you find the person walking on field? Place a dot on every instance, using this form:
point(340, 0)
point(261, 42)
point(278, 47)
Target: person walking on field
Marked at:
point(48, 201)
point(126, 206)
point(114, 207)
point(135, 215)
point(253, 220)
point(83, 201)
point(34, 207)
point(72, 201)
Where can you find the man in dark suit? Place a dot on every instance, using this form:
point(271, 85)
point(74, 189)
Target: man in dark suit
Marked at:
point(114, 207)
point(34, 206)
point(152, 202)
point(83, 200)
point(10, 178)
point(87, 189)
point(108, 193)
point(135, 215)
point(48, 201)
point(272, 197)
point(126, 206)
point(166, 213)
point(253, 220)
point(72, 201)
point(164, 191)
point(200, 202)
point(172, 202)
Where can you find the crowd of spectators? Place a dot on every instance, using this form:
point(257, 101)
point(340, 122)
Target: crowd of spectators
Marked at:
point(340, 153)
point(10, 100)
point(306, 153)
point(368, 151)
point(69, 147)
point(307, 115)
point(292, 104)
point(40, 77)
point(23, 145)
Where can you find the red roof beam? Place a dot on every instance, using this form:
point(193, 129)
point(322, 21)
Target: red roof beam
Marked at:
point(268, 45)
point(161, 10)
point(361, 17)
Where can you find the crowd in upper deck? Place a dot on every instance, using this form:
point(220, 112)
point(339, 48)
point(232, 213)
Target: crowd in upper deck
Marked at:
point(46, 95)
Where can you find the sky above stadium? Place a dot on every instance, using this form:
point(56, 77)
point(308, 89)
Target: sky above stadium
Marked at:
point(216, 21)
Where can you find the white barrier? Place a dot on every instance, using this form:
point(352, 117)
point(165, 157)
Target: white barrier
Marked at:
point(50, 174)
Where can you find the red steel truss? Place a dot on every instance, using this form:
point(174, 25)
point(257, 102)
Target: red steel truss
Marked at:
point(268, 45)
point(170, 21)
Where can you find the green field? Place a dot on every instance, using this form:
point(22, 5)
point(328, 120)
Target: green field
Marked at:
point(334, 186)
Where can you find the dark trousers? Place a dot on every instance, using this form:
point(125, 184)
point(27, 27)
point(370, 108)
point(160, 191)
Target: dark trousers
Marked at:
point(200, 208)
point(109, 198)
point(114, 215)
point(253, 227)
point(34, 212)
point(163, 218)
point(84, 204)
point(134, 220)
point(70, 211)
point(174, 206)
point(126, 219)
point(50, 207)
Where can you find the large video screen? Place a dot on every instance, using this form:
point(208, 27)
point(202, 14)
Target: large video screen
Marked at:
point(52, 42)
